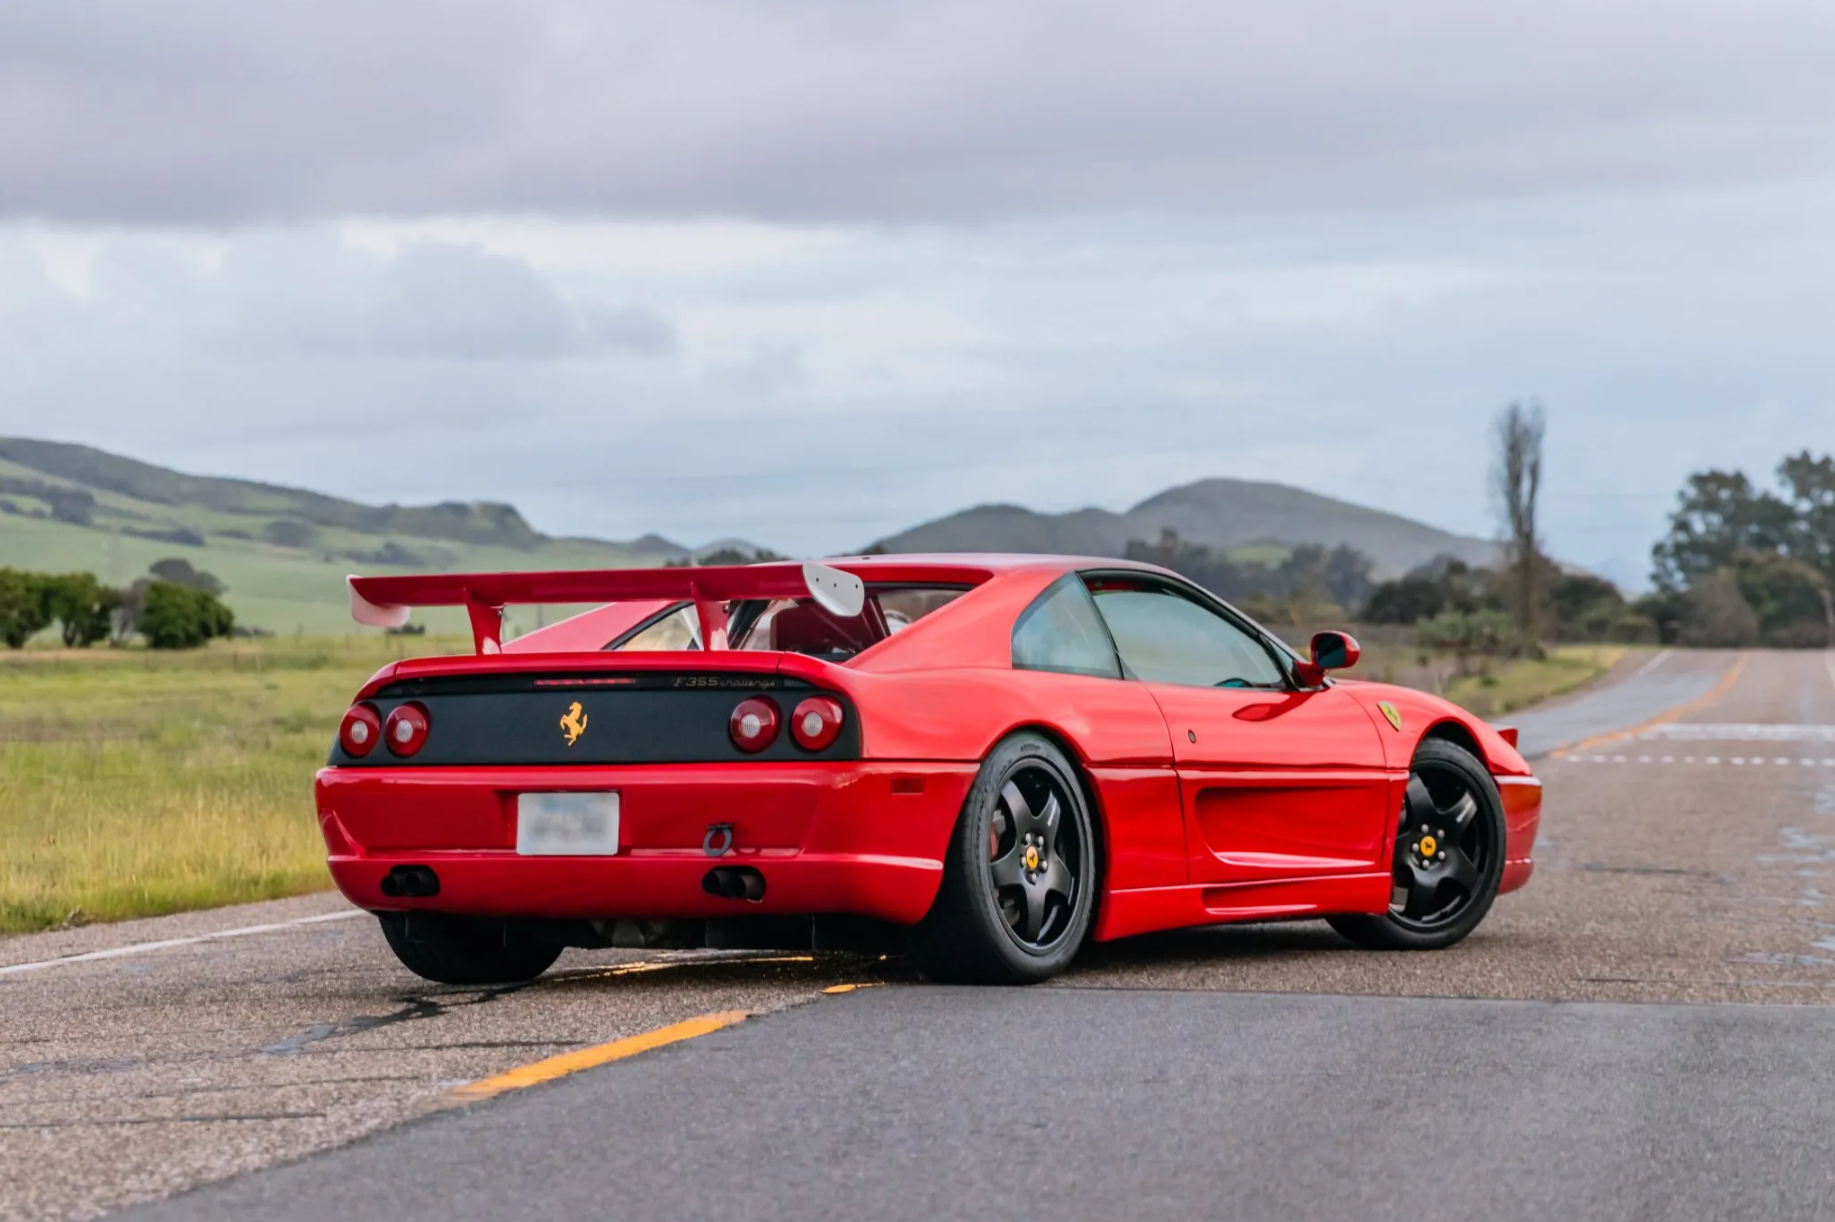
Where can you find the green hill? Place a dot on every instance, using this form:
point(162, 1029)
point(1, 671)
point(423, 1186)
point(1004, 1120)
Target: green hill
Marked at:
point(283, 553)
point(1245, 518)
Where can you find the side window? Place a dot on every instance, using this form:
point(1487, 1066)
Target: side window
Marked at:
point(1164, 637)
point(1061, 631)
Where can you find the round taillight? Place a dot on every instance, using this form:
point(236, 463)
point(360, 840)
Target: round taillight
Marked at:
point(360, 730)
point(406, 729)
point(816, 723)
point(753, 724)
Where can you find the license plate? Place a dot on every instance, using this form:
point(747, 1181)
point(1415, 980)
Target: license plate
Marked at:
point(567, 824)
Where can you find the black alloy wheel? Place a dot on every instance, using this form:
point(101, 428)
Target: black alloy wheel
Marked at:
point(1019, 879)
point(1448, 855)
point(1440, 850)
point(1032, 856)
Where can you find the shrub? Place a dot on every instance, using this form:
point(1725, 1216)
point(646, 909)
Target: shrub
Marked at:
point(1716, 614)
point(1467, 635)
point(176, 617)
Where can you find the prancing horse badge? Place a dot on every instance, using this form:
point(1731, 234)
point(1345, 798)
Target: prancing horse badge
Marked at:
point(1390, 711)
point(573, 723)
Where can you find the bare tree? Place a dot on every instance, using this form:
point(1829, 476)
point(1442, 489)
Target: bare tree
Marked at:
point(1516, 479)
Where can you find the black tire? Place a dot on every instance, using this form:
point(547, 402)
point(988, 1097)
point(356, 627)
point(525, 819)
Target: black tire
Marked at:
point(450, 949)
point(1453, 811)
point(1020, 876)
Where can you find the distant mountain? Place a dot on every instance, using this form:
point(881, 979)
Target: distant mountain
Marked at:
point(1224, 514)
point(481, 522)
point(282, 552)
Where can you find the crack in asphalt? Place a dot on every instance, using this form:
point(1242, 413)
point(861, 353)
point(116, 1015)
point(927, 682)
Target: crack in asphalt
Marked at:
point(132, 1120)
point(414, 1008)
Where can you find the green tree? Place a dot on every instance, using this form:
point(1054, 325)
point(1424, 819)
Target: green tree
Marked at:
point(82, 606)
point(1719, 514)
point(1748, 565)
point(1809, 483)
point(178, 571)
point(1443, 585)
point(1589, 608)
point(1787, 597)
point(23, 607)
point(177, 617)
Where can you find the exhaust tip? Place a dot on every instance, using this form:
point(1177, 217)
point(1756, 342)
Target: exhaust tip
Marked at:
point(411, 882)
point(734, 883)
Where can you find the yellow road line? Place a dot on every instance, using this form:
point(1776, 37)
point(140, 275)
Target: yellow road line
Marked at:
point(587, 1058)
point(833, 989)
point(1726, 684)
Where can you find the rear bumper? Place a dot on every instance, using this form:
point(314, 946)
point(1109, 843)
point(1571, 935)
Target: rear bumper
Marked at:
point(844, 837)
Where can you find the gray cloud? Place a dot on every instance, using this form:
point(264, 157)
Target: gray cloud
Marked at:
point(212, 111)
point(818, 395)
point(433, 299)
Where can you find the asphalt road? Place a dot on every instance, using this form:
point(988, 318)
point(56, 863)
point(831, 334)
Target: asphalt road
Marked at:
point(941, 1103)
point(1234, 1072)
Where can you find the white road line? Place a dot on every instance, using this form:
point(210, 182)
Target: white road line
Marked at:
point(1663, 657)
point(1757, 761)
point(1740, 733)
point(142, 948)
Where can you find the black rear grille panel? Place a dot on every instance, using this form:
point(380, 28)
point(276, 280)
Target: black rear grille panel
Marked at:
point(644, 718)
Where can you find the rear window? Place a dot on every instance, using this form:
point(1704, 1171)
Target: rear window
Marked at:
point(802, 626)
point(799, 625)
point(675, 629)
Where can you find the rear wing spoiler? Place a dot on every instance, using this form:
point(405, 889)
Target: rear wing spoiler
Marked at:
point(386, 602)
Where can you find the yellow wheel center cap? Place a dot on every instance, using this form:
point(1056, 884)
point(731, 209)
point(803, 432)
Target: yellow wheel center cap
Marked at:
point(1032, 857)
point(1429, 846)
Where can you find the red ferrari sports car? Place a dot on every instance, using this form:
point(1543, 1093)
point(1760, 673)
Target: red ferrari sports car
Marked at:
point(1003, 755)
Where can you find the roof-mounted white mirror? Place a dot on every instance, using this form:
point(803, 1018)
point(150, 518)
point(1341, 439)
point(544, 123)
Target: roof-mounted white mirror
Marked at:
point(371, 614)
point(836, 592)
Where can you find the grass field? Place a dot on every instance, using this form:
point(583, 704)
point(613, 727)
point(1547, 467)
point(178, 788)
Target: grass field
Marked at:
point(136, 783)
point(1525, 683)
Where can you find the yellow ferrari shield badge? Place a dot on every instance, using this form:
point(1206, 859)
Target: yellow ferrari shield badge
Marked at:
point(573, 723)
point(1389, 711)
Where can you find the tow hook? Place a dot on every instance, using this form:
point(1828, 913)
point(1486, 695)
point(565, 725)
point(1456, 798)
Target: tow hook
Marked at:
point(722, 833)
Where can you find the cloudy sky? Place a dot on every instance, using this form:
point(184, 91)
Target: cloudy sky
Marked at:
point(812, 270)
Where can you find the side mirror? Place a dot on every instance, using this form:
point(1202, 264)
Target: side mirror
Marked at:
point(1335, 650)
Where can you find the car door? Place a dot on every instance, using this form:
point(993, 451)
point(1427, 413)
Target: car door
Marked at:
point(1275, 781)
